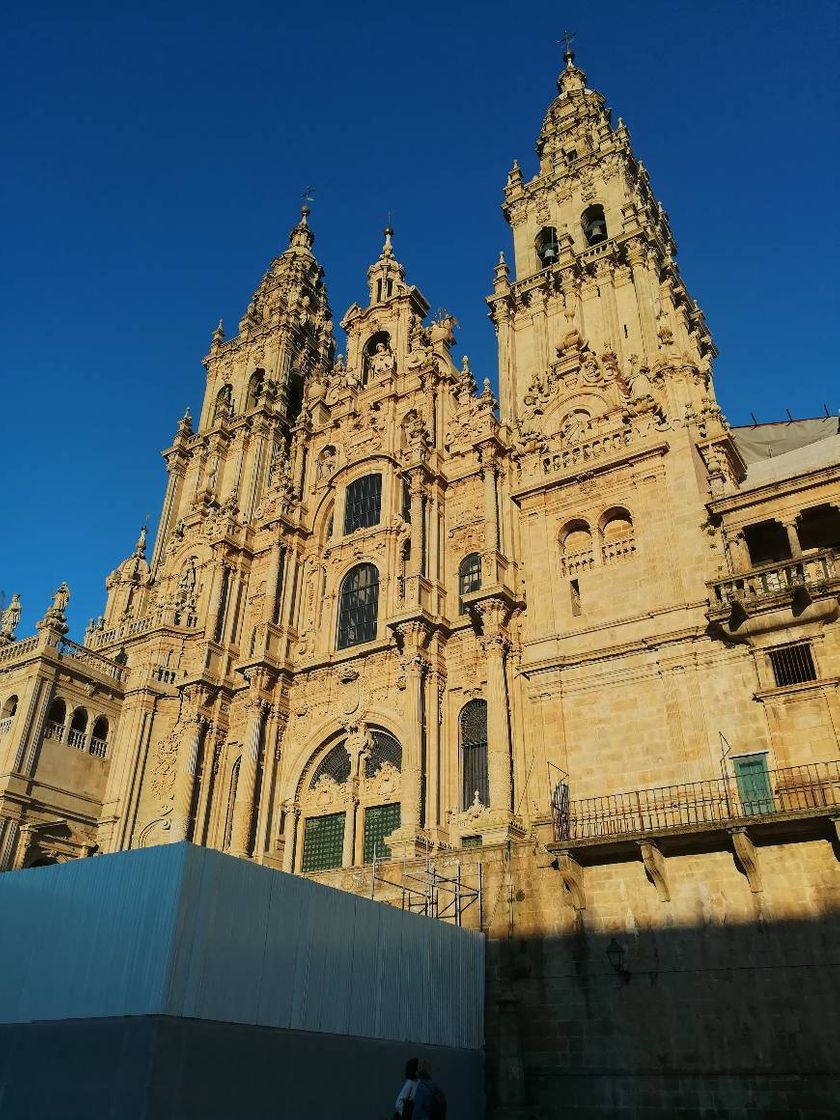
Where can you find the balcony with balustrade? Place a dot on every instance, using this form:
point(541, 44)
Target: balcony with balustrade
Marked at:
point(794, 800)
point(782, 584)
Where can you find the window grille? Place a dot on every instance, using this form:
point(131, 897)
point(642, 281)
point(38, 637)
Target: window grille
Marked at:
point(469, 578)
point(335, 765)
point(380, 821)
point(793, 664)
point(323, 842)
point(362, 503)
point(385, 749)
point(358, 606)
point(473, 727)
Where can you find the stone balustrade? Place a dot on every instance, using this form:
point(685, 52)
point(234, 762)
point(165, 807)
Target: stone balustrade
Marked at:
point(5, 724)
point(764, 582)
point(18, 650)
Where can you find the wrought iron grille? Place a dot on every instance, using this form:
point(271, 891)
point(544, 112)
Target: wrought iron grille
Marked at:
point(358, 605)
point(385, 749)
point(335, 765)
point(323, 842)
point(380, 821)
point(793, 664)
point(473, 725)
point(362, 503)
point(469, 578)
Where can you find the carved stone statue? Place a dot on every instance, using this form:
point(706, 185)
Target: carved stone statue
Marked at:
point(186, 584)
point(382, 361)
point(55, 616)
point(10, 619)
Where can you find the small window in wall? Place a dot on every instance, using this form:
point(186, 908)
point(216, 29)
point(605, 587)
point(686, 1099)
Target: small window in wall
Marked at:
point(793, 664)
point(594, 225)
point(472, 724)
point(767, 542)
point(323, 842)
point(358, 606)
point(617, 539)
point(547, 246)
point(470, 841)
point(574, 589)
point(363, 503)
point(469, 578)
point(224, 403)
point(576, 550)
point(380, 821)
point(753, 780)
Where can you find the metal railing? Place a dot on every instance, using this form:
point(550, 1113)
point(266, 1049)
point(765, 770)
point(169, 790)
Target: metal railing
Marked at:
point(774, 579)
point(814, 786)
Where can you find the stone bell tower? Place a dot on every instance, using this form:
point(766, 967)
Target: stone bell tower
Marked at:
point(596, 282)
point(255, 385)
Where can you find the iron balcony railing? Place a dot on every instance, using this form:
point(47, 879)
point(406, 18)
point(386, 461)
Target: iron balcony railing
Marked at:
point(814, 787)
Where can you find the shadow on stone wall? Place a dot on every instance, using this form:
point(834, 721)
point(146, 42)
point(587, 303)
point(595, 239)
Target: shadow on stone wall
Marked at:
point(712, 1021)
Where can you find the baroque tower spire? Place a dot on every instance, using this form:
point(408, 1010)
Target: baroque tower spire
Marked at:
point(595, 268)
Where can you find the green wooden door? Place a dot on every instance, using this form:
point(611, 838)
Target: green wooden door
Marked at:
point(753, 784)
point(323, 842)
point(380, 820)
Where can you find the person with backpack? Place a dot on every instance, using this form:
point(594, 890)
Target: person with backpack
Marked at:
point(404, 1106)
point(429, 1098)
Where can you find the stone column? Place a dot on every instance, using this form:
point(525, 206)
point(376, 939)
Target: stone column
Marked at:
point(793, 538)
point(26, 837)
point(185, 777)
point(348, 853)
point(243, 808)
point(222, 590)
point(411, 784)
point(433, 719)
point(496, 644)
point(290, 831)
point(271, 608)
point(489, 470)
point(415, 564)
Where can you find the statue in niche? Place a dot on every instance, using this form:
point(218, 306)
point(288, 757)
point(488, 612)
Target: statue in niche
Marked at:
point(186, 584)
point(382, 360)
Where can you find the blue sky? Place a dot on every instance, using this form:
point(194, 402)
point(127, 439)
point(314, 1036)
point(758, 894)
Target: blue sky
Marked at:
point(155, 156)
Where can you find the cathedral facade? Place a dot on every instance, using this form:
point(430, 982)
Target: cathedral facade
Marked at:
point(581, 639)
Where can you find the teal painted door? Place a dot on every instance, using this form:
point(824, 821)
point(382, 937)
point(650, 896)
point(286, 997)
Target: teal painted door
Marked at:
point(753, 784)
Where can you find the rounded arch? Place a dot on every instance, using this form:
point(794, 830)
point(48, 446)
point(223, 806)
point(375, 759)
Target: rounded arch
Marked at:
point(618, 534)
point(593, 222)
point(224, 402)
point(256, 388)
point(577, 551)
point(574, 531)
point(376, 353)
point(79, 721)
point(358, 606)
point(57, 711)
point(469, 578)
point(9, 708)
point(335, 764)
point(547, 246)
point(99, 737)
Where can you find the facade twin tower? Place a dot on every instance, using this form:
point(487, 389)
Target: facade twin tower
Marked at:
point(388, 614)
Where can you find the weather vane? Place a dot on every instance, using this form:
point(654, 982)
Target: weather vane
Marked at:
point(568, 39)
point(307, 196)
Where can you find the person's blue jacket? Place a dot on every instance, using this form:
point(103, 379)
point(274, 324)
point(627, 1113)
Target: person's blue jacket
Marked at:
point(423, 1099)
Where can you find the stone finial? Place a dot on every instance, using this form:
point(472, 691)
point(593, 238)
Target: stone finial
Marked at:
point(302, 236)
point(218, 335)
point(9, 620)
point(140, 547)
point(501, 273)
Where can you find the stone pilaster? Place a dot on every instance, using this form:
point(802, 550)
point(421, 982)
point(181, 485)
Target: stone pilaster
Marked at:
point(244, 806)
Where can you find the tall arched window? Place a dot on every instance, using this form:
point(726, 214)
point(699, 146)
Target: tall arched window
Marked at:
point(255, 389)
point(362, 503)
point(358, 606)
point(78, 728)
point(473, 730)
point(7, 714)
point(385, 749)
point(469, 578)
point(54, 723)
point(99, 737)
point(618, 540)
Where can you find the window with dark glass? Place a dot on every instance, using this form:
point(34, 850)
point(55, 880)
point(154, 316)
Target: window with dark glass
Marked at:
point(358, 604)
point(362, 503)
point(380, 821)
point(385, 749)
point(323, 842)
point(469, 578)
point(793, 664)
point(473, 728)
